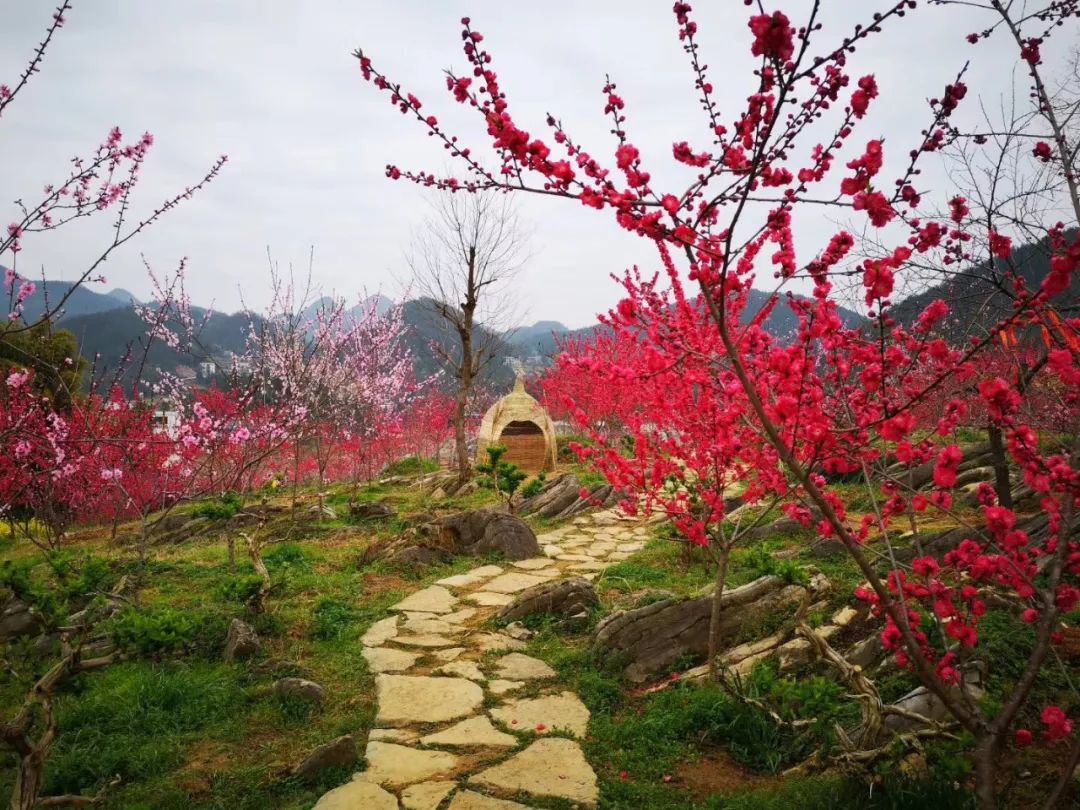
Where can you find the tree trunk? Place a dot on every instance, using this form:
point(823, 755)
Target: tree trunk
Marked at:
point(1001, 466)
point(28, 776)
point(986, 756)
point(460, 439)
point(714, 616)
point(254, 547)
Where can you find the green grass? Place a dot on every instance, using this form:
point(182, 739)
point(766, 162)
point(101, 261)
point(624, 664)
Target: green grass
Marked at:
point(641, 746)
point(185, 730)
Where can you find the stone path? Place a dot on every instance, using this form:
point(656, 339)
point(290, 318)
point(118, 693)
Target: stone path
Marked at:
point(465, 720)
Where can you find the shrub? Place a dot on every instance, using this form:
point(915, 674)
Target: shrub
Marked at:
point(167, 630)
point(330, 618)
point(411, 465)
point(222, 507)
point(285, 555)
point(243, 588)
point(533, 487)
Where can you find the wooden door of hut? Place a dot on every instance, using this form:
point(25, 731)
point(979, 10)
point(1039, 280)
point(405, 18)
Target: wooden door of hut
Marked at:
point(525, 445)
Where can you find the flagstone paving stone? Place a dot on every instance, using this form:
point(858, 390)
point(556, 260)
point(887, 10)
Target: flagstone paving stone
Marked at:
point(383, 659)
point(552, 767)
point(425, 795)
point(380, 632)
point(468, 800)
point(473, 732)
point(462, 669)
point(393, 765)
point(445, 696)
point(357, 794)
point(425, 640)
point(512, 583)
point(516, 666)
point(544, 714)
point(430, 600)
point(405, 699)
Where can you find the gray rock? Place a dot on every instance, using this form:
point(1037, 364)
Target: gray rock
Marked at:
point(19, 619)
point(867, 652)
point(565, 597)
point(241, 641)
point(300, 688)
point(652, 638)
point(553, 498)
point(341, 751)
point(483, 531)
point(371, 510)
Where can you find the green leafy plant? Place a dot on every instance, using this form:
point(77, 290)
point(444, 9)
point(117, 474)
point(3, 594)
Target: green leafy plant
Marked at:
point(166, 630)
point(330, 618)
point(411, 465)
point(533, 487)
point(243, 589)
point(223, 507)
point(502, 476)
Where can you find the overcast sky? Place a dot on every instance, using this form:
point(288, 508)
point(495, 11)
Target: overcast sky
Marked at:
point(273, 85)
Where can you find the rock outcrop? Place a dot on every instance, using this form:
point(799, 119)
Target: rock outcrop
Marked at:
point(564, 597)
point(650, 639)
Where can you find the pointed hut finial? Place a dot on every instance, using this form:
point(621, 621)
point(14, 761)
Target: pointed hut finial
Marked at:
point(519, 380)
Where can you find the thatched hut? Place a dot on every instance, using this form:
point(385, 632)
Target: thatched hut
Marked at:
point(523, 427)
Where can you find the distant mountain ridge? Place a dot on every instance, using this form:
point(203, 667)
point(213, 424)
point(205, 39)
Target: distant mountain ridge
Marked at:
point(104, 323)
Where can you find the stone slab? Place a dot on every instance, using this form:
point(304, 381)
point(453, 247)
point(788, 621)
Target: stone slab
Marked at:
point(471, 733)
point(398, 735)
point(552, 767)
point(380, 632)
point(501, 687)
point(459, 616)
point(468, 800)
point(383, 659)
point(545, 714)
point(405, 699)
point(435, 599)
point(393, 765)
point(488, 599)
point(462, 669)
point(518, 667)
point(495, 642)
point(423, 626)
point(429, 640)
point(354, 795)
point(425, 795)
point(513, 583)
point(533, 563)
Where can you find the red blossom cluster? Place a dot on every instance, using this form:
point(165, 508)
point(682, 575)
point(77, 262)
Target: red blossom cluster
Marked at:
point(717, 405)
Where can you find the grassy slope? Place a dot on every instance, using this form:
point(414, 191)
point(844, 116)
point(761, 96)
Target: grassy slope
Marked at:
point(192, 732)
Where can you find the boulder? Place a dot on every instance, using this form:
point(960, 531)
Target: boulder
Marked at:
point(482, 531)
point(300, 688)
point(553, 498)
point(370, 510)
point(341, 751)
point(649, 639)
point(19, 619)
point(564, 597)
point(241, 641)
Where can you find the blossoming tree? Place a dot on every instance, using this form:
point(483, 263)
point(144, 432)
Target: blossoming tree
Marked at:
point(836, 400)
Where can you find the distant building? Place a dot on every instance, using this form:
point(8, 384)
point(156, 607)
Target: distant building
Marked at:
point(165, 419)
point(207, 369)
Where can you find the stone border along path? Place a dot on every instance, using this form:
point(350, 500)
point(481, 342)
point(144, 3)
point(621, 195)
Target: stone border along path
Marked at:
point(446, 734)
